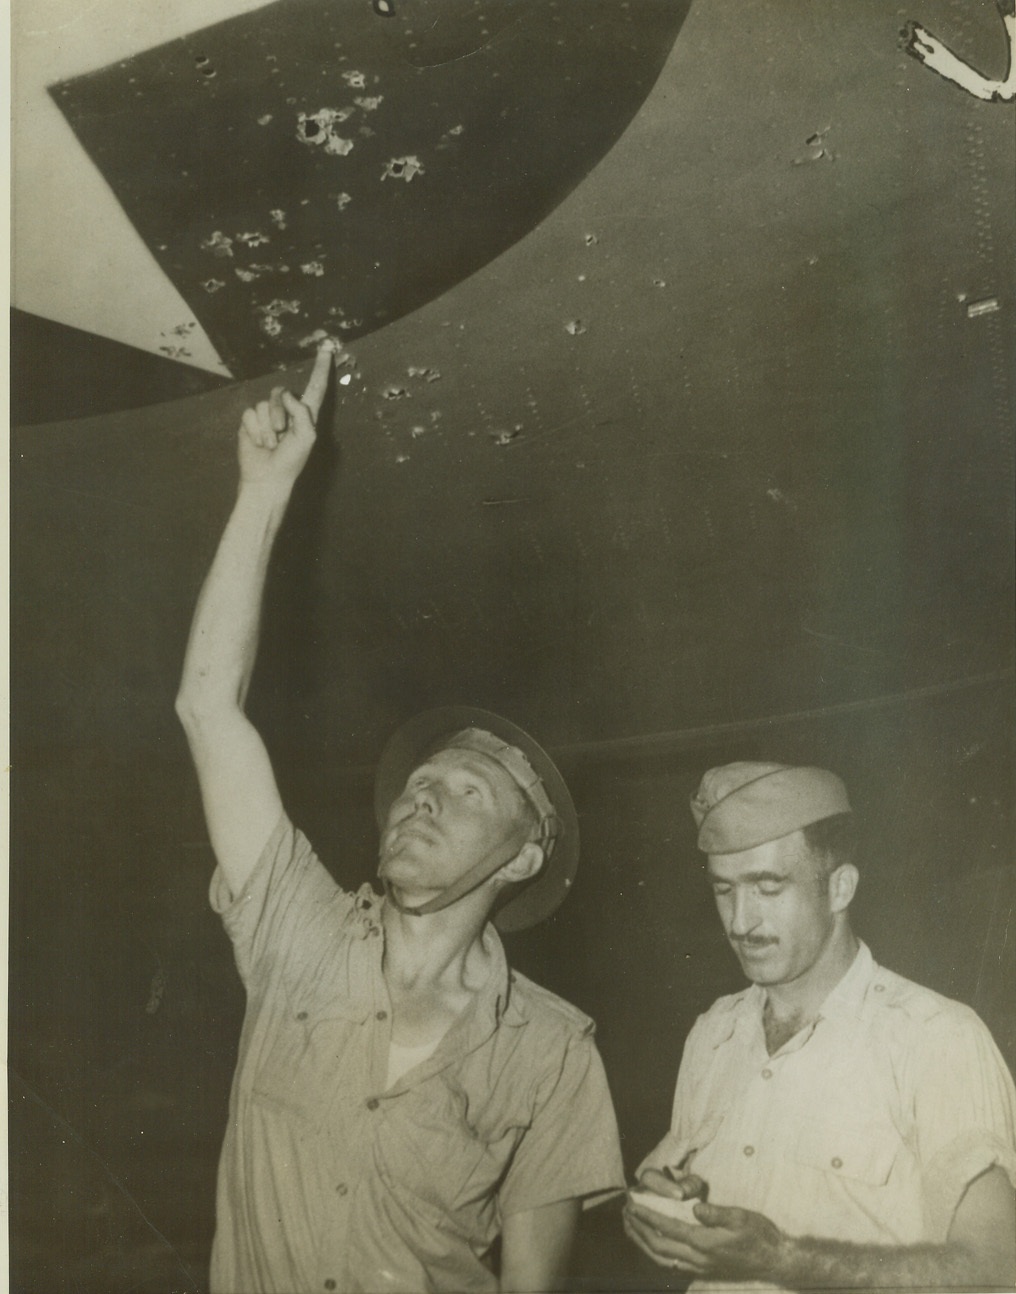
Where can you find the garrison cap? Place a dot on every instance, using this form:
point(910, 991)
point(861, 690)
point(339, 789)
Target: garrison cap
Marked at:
point(739, 806)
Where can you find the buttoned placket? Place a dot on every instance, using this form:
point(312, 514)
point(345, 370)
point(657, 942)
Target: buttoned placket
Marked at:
point(762, 1089)
point(332, 1271)
point(468, 1033)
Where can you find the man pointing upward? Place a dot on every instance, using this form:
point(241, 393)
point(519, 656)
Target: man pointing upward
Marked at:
point(402, 1099)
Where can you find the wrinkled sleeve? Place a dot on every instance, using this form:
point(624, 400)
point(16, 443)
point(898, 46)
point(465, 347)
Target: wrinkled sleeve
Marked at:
point(964, 1110)
point(571, 1150)
point(280, 908)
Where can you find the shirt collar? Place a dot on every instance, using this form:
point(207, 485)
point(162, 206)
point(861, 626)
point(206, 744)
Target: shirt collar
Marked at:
point(843, 1000)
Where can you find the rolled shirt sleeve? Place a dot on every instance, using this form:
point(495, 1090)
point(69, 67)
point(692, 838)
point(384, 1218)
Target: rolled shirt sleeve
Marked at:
point(289, 899)
point(964, 1110)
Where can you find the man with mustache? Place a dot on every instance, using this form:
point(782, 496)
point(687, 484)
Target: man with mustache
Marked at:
point(407, 1113)
point(849, 1128)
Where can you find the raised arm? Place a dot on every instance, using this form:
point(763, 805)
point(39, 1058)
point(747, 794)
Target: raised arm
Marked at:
point(241, 799)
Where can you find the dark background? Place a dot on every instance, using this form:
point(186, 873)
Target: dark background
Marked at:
point(716, 465)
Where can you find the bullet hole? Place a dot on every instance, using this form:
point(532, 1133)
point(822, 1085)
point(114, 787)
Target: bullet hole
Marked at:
point(278, 218)
point(384, 8)
point(456, 130)
point(183, 330)
point(506, 436)
point(314, 269)
point(402, 458)
point(345, 379)
point(402, 168)
point(659, 283)
point(246, 276)
point(279, 307)
point(218, 244)
point(270, 315)
point(176, 352)
point(343, 200)
point(355, 80)
point(591, 240)
point(253, 239)
point(428, 374)
point(575, 326)
point(317, 129)
point(263, 121)
point(204, 66)
point(417, 431)
point(395, 393)
point(988, 306)
point(212, 285)
point(817, 149)
point(369, 104)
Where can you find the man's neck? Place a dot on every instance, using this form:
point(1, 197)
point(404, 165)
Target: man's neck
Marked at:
point(798, 1002)
point(434, 967)
point(440, 949)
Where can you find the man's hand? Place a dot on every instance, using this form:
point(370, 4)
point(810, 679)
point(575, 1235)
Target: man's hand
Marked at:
point(277, 435)
point(729, 1244)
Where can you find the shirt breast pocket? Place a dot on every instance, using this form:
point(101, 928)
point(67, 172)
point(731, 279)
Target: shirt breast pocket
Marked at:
point(853, 1147)
point(439, 1151)
point(295, 1068)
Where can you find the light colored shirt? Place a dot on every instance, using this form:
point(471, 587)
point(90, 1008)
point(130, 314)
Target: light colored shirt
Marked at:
point(328, 1181)
point(867, 1126)
point(402, 1059)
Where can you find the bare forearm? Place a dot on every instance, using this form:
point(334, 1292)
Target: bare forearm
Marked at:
point(807, 1263)
point(224, 635)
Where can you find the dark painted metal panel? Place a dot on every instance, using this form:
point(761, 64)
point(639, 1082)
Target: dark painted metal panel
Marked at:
point(313, 166)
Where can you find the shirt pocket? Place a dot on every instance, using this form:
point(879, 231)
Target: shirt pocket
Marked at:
point(440, 1158)
point(295, 1068)
point(855, 1147)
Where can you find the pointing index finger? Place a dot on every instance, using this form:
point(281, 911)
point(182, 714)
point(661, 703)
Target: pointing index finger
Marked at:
point(317, 385)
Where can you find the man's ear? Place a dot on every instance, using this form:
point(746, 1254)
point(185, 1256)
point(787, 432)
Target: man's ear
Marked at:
point(526, 863)
point(842, 886)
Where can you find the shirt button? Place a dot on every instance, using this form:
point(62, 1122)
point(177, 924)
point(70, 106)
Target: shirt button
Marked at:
point(381, 1015)
point(373, 1103)
point(837, 1162)
point(342, 1188)
point(879, 988)
point(767, 1073)
point(749, 1151)
point(301, 1015)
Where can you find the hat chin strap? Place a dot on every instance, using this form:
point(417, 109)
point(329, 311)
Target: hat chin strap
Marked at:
point(467, 882)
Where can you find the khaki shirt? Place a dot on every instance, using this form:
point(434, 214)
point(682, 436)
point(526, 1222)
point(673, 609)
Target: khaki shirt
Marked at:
point(329, 1182)
point(866, 1127)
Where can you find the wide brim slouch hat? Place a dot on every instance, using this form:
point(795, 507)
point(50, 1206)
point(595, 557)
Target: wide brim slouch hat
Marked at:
point(532, 770)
